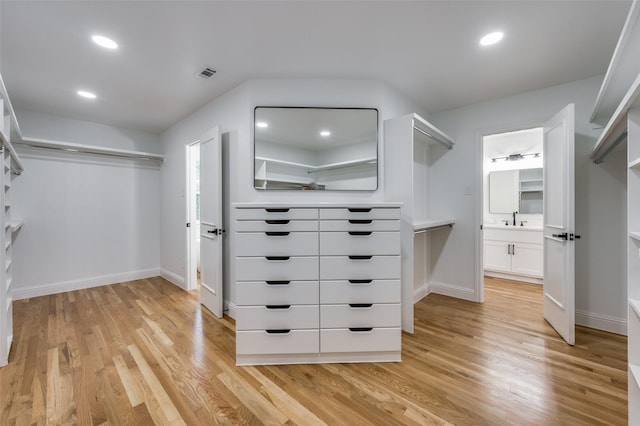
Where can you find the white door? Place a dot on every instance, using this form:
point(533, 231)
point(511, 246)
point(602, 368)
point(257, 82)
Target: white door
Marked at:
point(211, 221)
point(559, 224)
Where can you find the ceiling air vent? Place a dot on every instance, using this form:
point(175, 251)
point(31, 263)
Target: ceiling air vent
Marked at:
point(206, 72)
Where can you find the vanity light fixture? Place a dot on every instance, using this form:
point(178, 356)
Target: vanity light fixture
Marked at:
point(516, 157)
point(325, 133)
point(491, 38)
point(262, 124)
point(105, 42)
point(86, 94)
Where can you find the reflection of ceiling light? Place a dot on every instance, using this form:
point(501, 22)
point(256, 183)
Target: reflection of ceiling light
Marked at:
point(105, 42)
point(491, 38)
point(86, 94)
point(516, 157)
point(262, 124)
point(325, 133)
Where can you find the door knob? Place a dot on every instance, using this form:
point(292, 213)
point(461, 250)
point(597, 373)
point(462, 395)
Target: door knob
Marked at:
point(563, 236)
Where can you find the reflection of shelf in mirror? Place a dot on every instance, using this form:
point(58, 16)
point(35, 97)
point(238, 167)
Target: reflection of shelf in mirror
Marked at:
point(334, 166)
point(286, 163)
point(432, 224)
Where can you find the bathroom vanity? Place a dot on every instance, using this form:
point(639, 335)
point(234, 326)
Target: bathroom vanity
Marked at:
point(513, 252)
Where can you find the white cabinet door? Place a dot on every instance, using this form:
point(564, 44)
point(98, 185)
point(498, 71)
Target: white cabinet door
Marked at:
point(526, 259)
point(497, 256)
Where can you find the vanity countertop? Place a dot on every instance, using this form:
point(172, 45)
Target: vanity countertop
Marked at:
point(512, 228)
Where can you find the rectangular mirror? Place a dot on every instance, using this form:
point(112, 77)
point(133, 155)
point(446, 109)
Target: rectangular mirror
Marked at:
point(316, 148)
point(516, 191)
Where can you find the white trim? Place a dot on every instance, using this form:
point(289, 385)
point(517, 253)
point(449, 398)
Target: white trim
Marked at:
point(319, 358)
point(421, 292)
point(530, 280)
point(230, 308)
point(174, 279)
point(601, 322)
point(60, 287)
point(452, 291)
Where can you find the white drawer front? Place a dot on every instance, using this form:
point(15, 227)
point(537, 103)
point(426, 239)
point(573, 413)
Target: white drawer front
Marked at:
point(360, 213)
point(277, 243)
point(360, 291)
point(360, 242)
point(293, 342)
point(345, 340)
point(282, 225)
point(263, 269)
point(276, 213)
point(360, 315)
point(360, 225)
point(277, 293)
point(277, 317)
point(349, 267)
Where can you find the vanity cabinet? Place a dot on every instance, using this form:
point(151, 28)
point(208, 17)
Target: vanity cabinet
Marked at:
point(516, 253)
point(317, 283)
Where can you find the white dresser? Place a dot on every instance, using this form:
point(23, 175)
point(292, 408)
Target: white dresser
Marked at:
point(317, 283)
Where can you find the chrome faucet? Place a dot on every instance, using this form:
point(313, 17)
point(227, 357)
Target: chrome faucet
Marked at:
point(514, 218)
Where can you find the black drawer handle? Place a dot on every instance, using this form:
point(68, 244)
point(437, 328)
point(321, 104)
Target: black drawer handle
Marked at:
point(360, 305)
point(359, 233)
point(360, 281)
point(360, 329)
point(277, 221)
point(359, 210)
point(277, 257)
point(277, 210)
point(360, 221)
point(277, 282)
point(278, 331)
point(360, 257)
point(278, 306)
point(277, 234)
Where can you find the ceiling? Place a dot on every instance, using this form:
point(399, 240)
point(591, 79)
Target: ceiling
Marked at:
point(427, 50)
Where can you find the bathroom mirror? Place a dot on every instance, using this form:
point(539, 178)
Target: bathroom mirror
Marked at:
point(516, 191)
point(301, 148)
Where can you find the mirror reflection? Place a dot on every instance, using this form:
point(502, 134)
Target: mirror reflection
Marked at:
point(316, 148)
point(516, 191)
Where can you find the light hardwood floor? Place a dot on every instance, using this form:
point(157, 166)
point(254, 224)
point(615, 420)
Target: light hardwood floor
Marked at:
point(144, 352)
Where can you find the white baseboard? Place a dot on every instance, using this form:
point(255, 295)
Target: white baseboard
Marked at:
point(173, 278)
point(230, 308)
point(60, 287)
point(531, 280)
point(601, 322)
point(421, 292)
point(452, 291)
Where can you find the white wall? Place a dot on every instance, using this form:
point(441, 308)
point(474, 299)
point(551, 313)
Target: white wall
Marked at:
point(233, 112)
point(88, 220)
point(600, 198)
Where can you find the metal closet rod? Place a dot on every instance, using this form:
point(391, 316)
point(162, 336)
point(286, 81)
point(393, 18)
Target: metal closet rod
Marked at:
point(429, 135)
point(86, 151)
point(600, 158)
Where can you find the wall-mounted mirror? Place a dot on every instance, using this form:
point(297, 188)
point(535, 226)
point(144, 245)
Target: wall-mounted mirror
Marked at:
point(316, 148)
point(516, 191)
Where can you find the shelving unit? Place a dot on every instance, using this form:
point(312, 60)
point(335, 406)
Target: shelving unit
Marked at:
point(88, 149)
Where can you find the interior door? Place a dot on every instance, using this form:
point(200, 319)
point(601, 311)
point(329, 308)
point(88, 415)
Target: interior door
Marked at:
point(211, 222)
point(559, 224)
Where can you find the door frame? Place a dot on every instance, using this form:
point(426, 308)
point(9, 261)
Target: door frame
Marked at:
point(191, 281)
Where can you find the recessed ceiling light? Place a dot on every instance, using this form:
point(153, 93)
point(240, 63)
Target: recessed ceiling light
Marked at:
point(86, 94)
point(105, 42)
point(491, 38)
point(262, 124)
point(325, 133)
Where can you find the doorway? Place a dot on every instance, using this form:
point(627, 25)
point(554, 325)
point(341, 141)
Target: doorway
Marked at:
point(193, 216)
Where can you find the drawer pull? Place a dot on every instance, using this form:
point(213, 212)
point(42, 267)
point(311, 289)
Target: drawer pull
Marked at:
point(360, 281)
point(278, 331)
point(360, 232)
point(278, 282)
point(360, 305)
point(360, 257)
point(278, 306)
point(360, 329)
point(277, 210)
point(359, 210)
point(360, 221)
point(277, 221)
point(277, 257)
point(277, 234)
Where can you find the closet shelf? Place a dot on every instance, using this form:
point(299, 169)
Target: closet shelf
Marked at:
point(15, 225)
point(634, 235)
point(635, 305)
point(635, 373)
point(432, 224)
point(5, 138)
point(635, 163)
point(431, 132)
point(89, 149)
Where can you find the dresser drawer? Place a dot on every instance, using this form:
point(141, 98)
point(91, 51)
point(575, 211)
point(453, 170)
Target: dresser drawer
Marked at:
point(277, 317)
point(292, 342)
point(360, 225)
point(375, 339)
point(353, 267)
point(360, 242)
point(276, 268)
point(360, 315)
point(276, 213)
point(360, 291)
point(277, 243)
point(360, 213)
point(276, 293)
point(278, 225)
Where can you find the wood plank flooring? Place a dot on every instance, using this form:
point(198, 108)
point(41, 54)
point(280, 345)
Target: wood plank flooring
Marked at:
point(144, 352)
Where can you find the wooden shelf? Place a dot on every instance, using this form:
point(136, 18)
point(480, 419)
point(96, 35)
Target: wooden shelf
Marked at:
point(432, 224)
point(89, 149)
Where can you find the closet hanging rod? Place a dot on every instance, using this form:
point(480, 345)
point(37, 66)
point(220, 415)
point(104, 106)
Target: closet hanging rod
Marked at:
point(444, 143)
point(600, 158)
point(87, 149)
point(435, 228)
